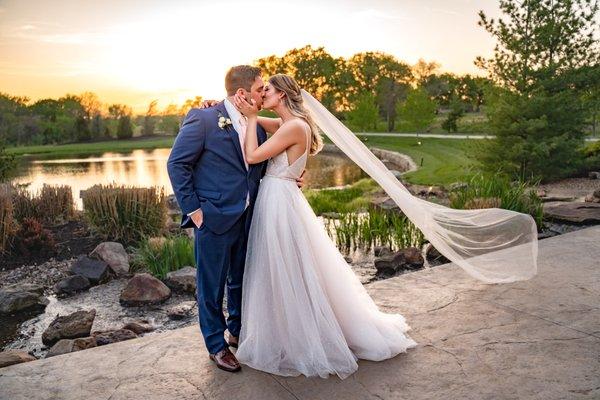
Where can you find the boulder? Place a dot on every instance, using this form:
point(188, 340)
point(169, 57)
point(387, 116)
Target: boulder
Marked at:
point(72, 326)
point(139, 327)
point(577, 212)
point(113, 336)
point(96, 271)
point(594, 175)
point(390, 263)
point(114, 255)
point(184, 279)
point(16, 299)
point(64, 346)
point(10, 357)
point(144, 289)
point(182, 310)
point(72, 284)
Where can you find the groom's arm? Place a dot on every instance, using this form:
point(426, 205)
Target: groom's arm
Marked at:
point(186, 150)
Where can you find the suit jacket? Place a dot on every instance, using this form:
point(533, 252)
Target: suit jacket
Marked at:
point(207, 171)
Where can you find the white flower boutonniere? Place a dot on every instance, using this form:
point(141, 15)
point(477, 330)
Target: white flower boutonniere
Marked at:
point(224, 122)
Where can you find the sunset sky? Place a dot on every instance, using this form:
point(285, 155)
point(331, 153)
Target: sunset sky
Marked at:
point(133, 51)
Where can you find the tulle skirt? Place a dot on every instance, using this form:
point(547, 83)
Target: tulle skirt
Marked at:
point(303, 310)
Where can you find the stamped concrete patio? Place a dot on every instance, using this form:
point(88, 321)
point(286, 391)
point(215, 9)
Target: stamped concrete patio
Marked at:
point(538, 339)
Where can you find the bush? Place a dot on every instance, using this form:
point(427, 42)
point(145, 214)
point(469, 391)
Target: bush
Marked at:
point(160, 255)
point(497, 191)
point(122, 213)
point(31, 237)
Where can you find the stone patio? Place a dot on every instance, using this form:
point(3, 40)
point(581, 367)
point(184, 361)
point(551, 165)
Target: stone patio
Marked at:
point(538, 339)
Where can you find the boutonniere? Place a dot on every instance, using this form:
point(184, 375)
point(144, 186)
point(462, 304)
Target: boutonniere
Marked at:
point(224, 122)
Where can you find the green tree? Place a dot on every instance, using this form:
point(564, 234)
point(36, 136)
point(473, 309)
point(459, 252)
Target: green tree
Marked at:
point(150, 118)
point(545, 61)
point(364, 113)
point(124, 130)
point(418, 110)
point(7, 163)
point(457, 110)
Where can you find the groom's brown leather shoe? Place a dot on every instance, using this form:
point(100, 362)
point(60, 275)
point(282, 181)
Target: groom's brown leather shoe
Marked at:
point(226, 361)
point(233, 341)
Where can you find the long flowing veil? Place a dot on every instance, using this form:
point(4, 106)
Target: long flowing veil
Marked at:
point(493, 245)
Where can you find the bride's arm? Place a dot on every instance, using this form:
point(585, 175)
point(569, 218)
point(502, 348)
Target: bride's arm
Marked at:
point(269, 124)
point(286, 136)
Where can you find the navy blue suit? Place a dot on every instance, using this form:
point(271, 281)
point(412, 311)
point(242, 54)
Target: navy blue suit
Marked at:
point(207, 171)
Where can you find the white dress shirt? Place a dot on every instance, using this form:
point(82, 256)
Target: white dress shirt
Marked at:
point(234, 116)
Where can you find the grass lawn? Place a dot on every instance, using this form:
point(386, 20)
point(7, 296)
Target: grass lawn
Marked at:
point(96, 147)
point(444, 161)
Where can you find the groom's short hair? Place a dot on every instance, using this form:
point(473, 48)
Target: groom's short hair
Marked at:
point(240, 76)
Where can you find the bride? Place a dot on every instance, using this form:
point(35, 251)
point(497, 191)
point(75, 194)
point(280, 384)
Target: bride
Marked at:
point(303, 309)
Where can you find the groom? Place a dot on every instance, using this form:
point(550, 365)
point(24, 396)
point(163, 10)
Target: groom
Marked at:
point(216, 190)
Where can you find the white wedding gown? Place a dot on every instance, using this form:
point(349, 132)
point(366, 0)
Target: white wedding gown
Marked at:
point(303, 309)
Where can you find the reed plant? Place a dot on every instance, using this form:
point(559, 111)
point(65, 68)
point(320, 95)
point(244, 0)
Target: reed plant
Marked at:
point(374, 228)
point(160, 255)
point(125, 213)
point(498, 191)
point(52, 204)
point(8, 223)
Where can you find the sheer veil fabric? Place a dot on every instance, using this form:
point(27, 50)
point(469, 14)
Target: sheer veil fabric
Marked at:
point(492, 245)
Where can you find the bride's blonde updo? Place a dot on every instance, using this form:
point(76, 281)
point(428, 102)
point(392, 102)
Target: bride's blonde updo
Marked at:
point(293, 101)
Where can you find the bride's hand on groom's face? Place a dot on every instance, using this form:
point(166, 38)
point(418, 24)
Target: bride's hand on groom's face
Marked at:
point(246, 108)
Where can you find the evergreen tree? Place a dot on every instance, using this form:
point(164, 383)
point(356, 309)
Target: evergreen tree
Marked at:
point(545, 62)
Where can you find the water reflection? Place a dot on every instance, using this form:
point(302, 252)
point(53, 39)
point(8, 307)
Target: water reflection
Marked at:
point(148, 168)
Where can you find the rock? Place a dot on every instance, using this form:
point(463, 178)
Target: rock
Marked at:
point(72, 326)
point(182, 310)
point(14, 300)
point(11, 357)
point(433, 256)
point(172, 205)
point(96, 271)
point(114, 255)
point(548, 199)
point(391, 263)
point(113, 336)
point(184, 279)
point(581, 213)
point(594, 175)
point(596, 193)
point(385, 203)
point(397, 174)
point(144, 289)
point(380, 251)
point(64, 346)
point(590, 198)
point(28, 287)
point(348, 259)
point(72, 285)
point(139, 327)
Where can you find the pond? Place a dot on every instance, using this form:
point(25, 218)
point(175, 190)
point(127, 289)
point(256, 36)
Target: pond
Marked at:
point(146, 168)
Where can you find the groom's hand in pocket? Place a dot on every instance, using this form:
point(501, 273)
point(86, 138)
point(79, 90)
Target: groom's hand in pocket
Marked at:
point(197, 217)
point(300, 181)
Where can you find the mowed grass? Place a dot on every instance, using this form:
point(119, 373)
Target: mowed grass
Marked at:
point(439, 161)
point(94, 148)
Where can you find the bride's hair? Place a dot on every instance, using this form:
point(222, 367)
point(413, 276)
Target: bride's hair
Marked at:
point(293, 101)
